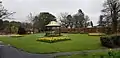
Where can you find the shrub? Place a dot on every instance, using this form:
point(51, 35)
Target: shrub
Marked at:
point(111, 41)
point(21, 31)
point(116, 40)
point(107, 42)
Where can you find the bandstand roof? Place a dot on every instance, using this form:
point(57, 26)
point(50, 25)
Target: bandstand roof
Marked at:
point(53, 24)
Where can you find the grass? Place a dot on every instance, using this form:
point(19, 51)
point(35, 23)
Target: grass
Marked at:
point(90, 55)
point(78, 42)
point(105, 54)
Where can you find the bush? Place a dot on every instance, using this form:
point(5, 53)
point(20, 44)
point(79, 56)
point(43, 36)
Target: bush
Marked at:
point(107, 42)
point(21, 31)
point(111, 41)
point(116, 40)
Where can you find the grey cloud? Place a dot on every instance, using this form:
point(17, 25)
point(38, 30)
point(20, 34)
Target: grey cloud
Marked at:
point(24, 7)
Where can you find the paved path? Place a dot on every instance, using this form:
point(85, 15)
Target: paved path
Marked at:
point(10, 52)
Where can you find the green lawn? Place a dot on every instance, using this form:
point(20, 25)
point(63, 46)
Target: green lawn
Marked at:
point(78, 42)
point(90, 55)
point(105, 54)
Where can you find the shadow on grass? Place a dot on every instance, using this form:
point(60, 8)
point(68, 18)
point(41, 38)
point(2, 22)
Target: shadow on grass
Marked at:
point(16, 36)
point(54, 41)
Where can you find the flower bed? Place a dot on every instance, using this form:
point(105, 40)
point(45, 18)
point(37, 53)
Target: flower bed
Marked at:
point(53, 39)
point(96, 34)
point(16, 35)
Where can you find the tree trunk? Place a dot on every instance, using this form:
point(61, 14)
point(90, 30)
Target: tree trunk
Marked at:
point(114, 24)
point(114, 27)
point(33, 30)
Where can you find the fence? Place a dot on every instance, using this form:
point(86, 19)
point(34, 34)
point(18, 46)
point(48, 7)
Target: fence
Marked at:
point(80, 30)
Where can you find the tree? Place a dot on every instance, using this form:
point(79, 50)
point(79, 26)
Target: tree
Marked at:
point(14, 26)
point(91, 23)
point(100, 22)
point(86, 19)
point(6, 26)
point(32, 19)
point(37, 24)
point(21, 30)
point(79, 19)
point(67, 20)
point(26, 25)
point(63, 19)
point(4, 13)
point(111, 10)
point(104, 24)
point(43, 19)
point(1, 23)
point(70, 21)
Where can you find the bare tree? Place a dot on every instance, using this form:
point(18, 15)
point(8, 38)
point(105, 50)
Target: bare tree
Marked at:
point(4, 13)
point(31, 19)
point(111, 10)
point(63, 19)
point(86, 23)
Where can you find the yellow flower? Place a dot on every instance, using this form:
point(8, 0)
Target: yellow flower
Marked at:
point(110, 49)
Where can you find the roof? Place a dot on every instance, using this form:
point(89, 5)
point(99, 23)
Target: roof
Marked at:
point(89, 26)
point(53, 23)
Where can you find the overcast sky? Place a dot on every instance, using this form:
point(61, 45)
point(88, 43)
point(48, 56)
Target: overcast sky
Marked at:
point(24, 7)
